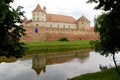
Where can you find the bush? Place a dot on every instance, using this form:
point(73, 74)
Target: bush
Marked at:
point(63, 39)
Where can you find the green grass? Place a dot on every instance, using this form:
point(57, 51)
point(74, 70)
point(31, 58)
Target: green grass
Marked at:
point(55, 46)
point(109, 74)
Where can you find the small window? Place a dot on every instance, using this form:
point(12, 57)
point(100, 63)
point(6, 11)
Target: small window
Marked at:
point(63, 26)
point(69, 26)
point(50, 25)
point(58, 25)
point(36, 30)
point(37, 19)
point(38, 14)
point(42, 19)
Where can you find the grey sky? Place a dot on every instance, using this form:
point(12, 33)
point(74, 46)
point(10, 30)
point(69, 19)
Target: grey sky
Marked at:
point(75, 8)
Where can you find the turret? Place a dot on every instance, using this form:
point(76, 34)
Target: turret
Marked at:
point(83, 23)
point(44, 9)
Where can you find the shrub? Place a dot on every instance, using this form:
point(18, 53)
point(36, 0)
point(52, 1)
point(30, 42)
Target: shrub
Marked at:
point(63, 39)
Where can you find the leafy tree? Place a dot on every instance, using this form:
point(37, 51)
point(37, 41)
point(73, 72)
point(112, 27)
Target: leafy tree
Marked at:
point(108, 27)
point(107, 5)
point(11, 30)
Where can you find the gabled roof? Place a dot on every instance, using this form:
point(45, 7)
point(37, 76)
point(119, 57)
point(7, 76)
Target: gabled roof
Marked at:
point(59, 18)
point(37, 9)
point(83, 18)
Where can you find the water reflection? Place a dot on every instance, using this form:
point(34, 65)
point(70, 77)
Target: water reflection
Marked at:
point(39, 61)
point(52, 66)
point(7, 60)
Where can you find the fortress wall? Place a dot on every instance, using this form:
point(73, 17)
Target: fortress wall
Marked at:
point(47, 34)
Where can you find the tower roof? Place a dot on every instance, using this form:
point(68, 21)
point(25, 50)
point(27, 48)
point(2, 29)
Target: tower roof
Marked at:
point(83, 18)
point(37, 9)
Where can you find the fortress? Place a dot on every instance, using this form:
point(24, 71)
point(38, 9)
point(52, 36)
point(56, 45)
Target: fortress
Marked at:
point(45, 26)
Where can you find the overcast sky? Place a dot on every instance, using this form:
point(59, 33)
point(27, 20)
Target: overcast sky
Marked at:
point(75, 8)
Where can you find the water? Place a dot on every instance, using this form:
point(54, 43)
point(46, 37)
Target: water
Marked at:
point(53, 66)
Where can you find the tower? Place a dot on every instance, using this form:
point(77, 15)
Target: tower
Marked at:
point(83, 23)
point(39, 15)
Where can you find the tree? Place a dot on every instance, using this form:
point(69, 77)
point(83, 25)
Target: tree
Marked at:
point(108, 27)
point(11, 30)
point(107, 5)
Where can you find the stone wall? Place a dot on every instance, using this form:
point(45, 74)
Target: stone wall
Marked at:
point(47, 34)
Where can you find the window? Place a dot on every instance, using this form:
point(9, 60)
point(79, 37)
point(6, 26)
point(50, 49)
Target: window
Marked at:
point(42, 19)
point(38, 14)
point(37, 19)
point(50, 25)
point(58, 25)
point(69, 26)
point(36, 30)
point(63, 26)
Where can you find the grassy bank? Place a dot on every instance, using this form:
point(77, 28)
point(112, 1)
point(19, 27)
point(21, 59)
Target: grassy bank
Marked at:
point(53, 46)
point(109, 74)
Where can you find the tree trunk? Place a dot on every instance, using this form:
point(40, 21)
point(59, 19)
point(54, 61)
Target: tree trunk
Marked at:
point(116, 64)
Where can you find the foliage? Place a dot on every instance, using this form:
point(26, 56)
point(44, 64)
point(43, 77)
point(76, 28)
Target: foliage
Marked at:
point(108, 27)
point(10, 30)
point(63, 39)
point(107, 5)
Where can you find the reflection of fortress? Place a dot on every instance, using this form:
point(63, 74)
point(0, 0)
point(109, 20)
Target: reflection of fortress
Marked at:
point(46, 26)
point(38, 64)
point(39, 61)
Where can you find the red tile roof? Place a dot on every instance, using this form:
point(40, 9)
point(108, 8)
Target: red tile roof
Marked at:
point(60, 18)
point(37, 9)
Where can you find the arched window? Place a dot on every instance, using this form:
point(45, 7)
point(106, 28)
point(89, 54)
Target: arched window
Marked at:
point(36, 30)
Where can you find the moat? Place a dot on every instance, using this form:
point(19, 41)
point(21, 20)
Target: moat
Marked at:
point(53, 66)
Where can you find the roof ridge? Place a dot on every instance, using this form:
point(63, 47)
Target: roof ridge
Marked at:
point(83, 18)
point(60, 18)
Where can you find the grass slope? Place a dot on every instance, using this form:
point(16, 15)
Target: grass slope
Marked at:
point(53, 46)
point(109, 74)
